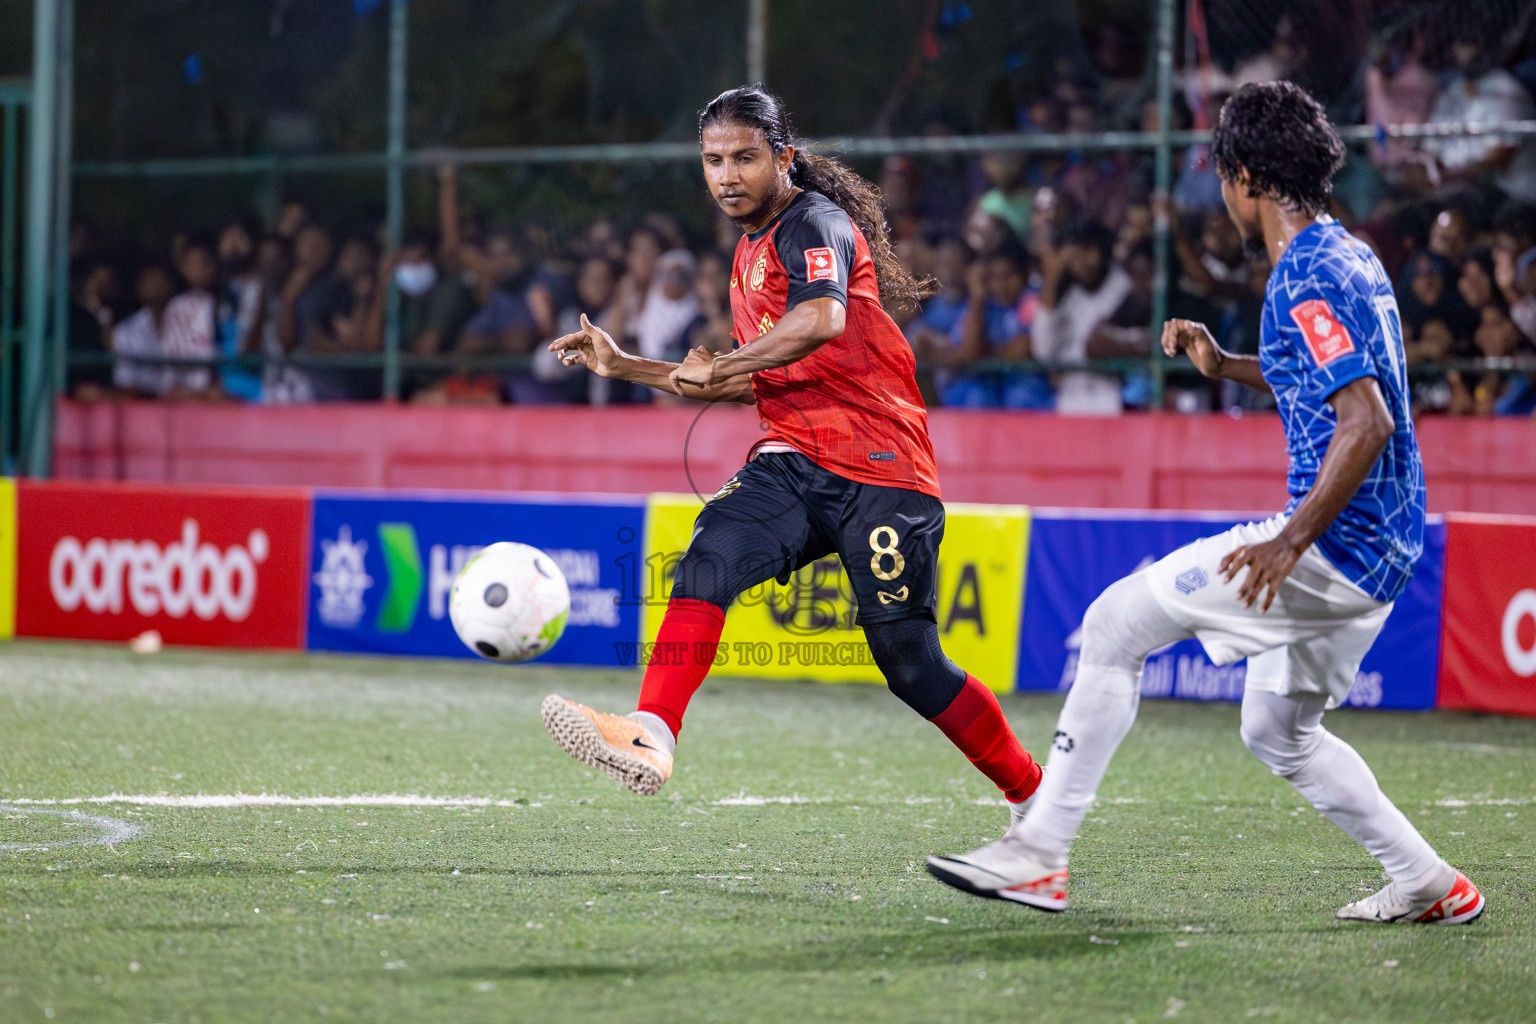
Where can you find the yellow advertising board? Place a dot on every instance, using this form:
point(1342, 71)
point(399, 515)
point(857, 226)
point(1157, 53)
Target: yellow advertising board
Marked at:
point(7, 558)
point(806, 629)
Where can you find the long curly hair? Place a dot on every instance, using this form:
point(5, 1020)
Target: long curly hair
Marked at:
point(756, 107)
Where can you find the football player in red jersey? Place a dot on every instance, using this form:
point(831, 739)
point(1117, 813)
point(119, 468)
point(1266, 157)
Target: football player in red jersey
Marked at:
point(846, 465)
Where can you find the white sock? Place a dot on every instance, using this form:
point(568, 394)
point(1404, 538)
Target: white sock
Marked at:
point(1100, 709)
point(1285, 731)
point(1433, 884)
point(657, 727)
point(1338, 782)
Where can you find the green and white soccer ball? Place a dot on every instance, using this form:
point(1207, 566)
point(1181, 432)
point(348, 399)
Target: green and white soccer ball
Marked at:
point(510, 602)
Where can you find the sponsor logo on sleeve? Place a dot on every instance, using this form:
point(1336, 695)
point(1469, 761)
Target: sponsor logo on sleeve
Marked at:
point(820, 265)
point(1326, 338)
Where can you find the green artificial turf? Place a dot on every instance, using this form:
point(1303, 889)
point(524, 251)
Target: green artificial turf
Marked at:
point(1202, 889)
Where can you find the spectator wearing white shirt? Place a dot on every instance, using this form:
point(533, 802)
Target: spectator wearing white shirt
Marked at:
point(1479, 93)
point(1081, 290)
point(188, 329)
point(140, 335)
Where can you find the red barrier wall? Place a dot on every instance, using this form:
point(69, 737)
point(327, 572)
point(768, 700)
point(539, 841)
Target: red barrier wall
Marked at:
point(1488, 642)
point(1136, 461)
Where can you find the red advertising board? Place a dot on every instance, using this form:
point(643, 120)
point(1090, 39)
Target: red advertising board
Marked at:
point(1488, 645)
point(218, 567)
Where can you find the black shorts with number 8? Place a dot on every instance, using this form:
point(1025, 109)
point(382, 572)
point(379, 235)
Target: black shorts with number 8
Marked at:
point(783, 511)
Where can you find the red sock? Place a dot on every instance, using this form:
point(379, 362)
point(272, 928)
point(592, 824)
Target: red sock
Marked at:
point(685, 650)
point(974, 722)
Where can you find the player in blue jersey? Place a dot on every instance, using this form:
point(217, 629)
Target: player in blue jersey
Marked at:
point(1303, 595)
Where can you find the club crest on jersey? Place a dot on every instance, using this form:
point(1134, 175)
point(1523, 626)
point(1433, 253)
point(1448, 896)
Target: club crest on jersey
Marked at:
point(1326, 338)
point(764, 325)
point(759, 271)
point(820, 265)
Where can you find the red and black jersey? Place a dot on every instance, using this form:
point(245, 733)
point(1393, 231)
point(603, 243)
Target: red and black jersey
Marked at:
point(852, 406)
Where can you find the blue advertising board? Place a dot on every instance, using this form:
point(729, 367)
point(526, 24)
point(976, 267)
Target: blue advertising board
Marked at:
point(1074, 556)
point(382, 567)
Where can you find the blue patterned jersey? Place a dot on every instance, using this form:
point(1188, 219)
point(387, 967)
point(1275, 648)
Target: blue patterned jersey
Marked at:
point(1330, 318)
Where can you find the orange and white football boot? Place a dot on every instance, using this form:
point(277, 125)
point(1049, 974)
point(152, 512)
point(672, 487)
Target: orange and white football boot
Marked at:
point(1462, 904)
point(1006, 870)
point(620, 746)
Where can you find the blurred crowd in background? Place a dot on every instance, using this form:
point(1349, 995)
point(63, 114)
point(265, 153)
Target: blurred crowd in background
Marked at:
point(1046, 262)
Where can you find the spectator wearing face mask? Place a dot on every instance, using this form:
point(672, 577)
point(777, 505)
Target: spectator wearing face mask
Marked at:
point(434, 307)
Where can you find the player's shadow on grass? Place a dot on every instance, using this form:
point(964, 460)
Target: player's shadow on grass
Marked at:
point(916, 947)
point(550, 971)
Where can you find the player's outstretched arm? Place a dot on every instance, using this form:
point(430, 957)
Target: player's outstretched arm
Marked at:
point(595, 349)
point(802, 331)
point(1213, 361)
point(1364, 428)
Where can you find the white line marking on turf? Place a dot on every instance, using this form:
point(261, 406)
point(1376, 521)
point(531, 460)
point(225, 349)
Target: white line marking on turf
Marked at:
point(111, 830)
point(1507, 802)
point(219, 800)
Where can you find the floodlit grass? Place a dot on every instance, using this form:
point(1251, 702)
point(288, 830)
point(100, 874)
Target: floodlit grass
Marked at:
point(1203, 889)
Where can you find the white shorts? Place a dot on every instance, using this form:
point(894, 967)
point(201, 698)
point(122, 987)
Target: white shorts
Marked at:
point(1311, 640)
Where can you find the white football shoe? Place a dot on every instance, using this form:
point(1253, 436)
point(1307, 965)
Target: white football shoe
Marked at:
point(1462, 904)
point(1006, 870)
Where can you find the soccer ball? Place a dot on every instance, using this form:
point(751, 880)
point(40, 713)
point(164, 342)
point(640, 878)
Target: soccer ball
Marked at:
point(510, 602)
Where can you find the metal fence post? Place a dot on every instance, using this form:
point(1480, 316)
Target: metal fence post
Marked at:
point(9, 146)
point(1162, 190)
point(395, 186)
point(757, 41)
point(36, 394)
point(64, 132)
